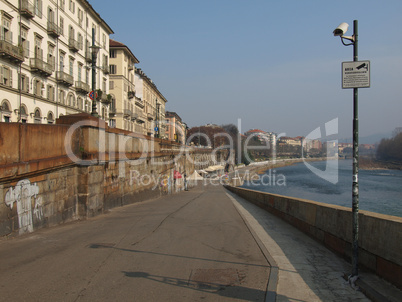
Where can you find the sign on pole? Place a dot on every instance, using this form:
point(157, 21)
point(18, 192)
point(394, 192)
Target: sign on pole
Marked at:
point(356, 74)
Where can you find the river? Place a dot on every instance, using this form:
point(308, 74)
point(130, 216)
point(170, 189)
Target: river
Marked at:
point(380, 191)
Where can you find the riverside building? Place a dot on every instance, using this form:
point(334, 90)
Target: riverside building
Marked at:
point(45, 60)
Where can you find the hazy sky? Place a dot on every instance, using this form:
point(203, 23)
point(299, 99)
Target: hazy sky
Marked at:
point(273, 64)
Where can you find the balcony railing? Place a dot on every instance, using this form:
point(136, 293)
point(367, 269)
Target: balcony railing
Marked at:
point(81, 86)
point(27, 9)
point(131, 94)
point(88, 55)
point(150, 116)
point(127, 113)
point(64, 78)
point(105, 68)
point(11, 52)
point(112, 111)
point(73, 44)
point(134, 116)
point(53, 29)
point(40, 66)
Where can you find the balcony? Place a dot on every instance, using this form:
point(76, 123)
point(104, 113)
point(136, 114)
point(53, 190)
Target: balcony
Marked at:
point(139, 102)
point(106, 99)
point(131, 94)
point(127, 113)
point(82, 87)
point(112, 111)
point(40, 66)
point(11, 52)
point(150, 116)
point(53, 29)
point(88, 55)
point(130, 66)
point(134, 116)
point(64, 78)
point(73, 44)
point(27, 9)
point(105, 69)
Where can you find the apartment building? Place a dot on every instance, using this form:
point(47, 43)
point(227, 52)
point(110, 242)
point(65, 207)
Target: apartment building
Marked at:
point(176, 130)
point(126, 111)
point(45, 60)
point(154, 103)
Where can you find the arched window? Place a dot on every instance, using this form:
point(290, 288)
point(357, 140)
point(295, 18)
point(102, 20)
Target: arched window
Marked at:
point(50, 118)
point(37, 116)
point(5, 112)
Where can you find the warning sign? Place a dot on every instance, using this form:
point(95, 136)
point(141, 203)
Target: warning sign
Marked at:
point(356, 74)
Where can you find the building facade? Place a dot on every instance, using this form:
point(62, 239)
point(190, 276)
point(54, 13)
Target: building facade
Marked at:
point(154, 104)
point(126, 111)
point(176, 130)
point(45, 60)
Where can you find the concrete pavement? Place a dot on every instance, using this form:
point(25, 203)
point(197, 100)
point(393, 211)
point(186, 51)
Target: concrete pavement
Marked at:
point(192, 246)
point(307, 271)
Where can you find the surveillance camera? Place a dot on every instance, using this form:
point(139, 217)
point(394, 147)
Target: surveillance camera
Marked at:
point(341, 29)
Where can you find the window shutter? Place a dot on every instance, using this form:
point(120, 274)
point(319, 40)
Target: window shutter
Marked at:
point(27, 49)
point(1, 75)
point(10, 78)
point(1, 33)
point(27, 84)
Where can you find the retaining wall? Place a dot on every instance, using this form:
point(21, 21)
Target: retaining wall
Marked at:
point(380, 236)
point(51, 174)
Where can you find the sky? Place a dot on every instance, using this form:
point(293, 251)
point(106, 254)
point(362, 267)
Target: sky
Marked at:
point(270, 65)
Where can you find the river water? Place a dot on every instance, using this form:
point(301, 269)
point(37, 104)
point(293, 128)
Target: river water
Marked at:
point(380, 191)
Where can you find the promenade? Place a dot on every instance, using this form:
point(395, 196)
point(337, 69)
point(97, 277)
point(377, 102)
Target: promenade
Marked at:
point(200, 245)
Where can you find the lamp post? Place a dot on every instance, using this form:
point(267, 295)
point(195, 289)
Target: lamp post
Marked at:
point(339, 31)
point(94, 52)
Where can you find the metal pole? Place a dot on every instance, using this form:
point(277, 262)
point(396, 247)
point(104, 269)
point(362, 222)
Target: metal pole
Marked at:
point(355, 187)
point(94, 113)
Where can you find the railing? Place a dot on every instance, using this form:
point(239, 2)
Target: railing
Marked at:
point(131, 94)
point(73, 44)
point(79, 85)
point(150, 116)
point(53, 29)
point(127, 112)
point(41, 66)
point(27, 9)
point(64, 78)
point(11, 51)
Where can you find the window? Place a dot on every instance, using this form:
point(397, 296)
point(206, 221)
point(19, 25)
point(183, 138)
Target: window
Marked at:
point(61, 97)
point(24, 83)
point(72, 6)
point(6, 78)
point(79, 72)
point(104, 40)
point(38, 48)
point(6, 33)
point(50, 93)
point(71, 69)
point(50, 118)
point(113, 53)
point(80, 17)
point(37, 117)
point(38, 8)
point(61, 63)
point(113, 69)
point(50, 15)
point(61, 24)
point(62, 4)
point(80, 41)
point(111, 84)
point(24, 42)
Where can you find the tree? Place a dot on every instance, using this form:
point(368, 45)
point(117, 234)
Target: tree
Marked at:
point(390, 148)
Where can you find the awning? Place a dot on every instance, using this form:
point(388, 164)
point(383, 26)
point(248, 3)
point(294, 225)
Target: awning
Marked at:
point(214, 168)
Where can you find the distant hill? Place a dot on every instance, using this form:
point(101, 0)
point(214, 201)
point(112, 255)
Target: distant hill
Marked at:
point(370, 139)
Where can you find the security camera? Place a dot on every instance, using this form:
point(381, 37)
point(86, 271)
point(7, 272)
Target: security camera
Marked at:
point(341, 29)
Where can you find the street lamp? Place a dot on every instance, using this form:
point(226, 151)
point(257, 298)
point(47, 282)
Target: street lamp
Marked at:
point(340, 31)
point(94, 51)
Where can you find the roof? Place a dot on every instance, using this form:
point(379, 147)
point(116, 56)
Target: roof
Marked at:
point(98, 16)
point(116, 44)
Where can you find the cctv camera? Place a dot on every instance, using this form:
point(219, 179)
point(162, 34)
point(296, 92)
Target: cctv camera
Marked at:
point(341, 29)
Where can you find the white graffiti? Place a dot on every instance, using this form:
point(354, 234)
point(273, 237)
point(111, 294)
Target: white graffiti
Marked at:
point(22, 194)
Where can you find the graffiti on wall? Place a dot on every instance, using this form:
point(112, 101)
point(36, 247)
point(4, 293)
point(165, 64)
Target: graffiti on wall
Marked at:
point(22, 194)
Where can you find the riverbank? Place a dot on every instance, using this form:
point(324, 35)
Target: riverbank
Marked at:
point(374, 164)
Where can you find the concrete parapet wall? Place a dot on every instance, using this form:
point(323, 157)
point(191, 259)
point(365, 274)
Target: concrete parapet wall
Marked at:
point(380, 236)
point(79, 168)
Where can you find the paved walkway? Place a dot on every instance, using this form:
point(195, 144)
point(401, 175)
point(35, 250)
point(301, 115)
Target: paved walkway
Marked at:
point(307, 271)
